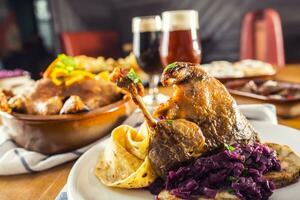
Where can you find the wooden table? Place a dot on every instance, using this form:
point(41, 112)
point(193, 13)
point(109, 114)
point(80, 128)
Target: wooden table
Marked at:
point(46, 185)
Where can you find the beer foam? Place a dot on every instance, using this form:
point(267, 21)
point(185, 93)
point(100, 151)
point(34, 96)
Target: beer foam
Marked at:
point(180, 20)
point(146, 24)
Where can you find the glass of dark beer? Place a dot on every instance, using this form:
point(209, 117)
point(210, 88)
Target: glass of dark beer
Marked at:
point(180, 40)
point(146, 40)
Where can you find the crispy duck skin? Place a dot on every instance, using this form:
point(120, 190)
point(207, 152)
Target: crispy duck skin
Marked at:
point(72, 105)
point(4, 105)
point(46, 98)
point(202, 99)
point(50, 106)
point(19, 103)
point(172, 141)
point(93, 93)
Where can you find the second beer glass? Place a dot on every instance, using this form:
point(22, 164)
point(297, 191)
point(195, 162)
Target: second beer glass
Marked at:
point(146, 40)
point(180, 41)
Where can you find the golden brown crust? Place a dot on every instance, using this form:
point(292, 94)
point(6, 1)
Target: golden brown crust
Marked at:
point(46, 98)
point(174, 142)
point(4, 106)
point(202, 99)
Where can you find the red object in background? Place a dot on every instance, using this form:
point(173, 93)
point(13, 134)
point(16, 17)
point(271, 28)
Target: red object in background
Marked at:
point(9, 35)
point(91, 43)
point(261, 37)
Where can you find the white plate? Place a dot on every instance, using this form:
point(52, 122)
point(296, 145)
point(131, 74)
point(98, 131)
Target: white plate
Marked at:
point(83, 185)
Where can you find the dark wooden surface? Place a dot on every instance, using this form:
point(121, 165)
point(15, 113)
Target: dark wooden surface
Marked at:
point(220, 20)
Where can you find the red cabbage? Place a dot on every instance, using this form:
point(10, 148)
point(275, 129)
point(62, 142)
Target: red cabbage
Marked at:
point(238, 169)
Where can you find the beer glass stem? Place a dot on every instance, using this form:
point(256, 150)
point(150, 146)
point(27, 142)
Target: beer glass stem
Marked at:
point(153, 86)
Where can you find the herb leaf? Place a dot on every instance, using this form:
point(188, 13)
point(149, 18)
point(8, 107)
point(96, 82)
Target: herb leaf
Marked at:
point(231, 191)
point(245, 172)
point(170, 66)
point(231, 178)
point(169, 122)
point(133, 76)
point(229, 147)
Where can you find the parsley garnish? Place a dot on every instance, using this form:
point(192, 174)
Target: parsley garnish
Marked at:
point(231, 191)
point(133, 76)
point(170, 66)
point(231, 178)
point(229, 147)
point(245, 172)
point(169, 122)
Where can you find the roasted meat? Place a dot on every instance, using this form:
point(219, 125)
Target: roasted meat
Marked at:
point(19, 103)
point(94, 93)
point(46, 98)
point(50, 106)
point(4, 106)
point(172, 141)
point(72, 105)
point(202, 99)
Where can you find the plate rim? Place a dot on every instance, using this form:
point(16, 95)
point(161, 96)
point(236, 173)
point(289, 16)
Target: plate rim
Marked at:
point(106, 138)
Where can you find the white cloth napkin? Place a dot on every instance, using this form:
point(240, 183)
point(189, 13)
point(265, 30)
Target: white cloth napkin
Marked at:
point(260, 112)
point(17, 160)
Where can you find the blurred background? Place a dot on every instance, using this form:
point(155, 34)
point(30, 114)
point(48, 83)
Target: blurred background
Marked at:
point(31, 30)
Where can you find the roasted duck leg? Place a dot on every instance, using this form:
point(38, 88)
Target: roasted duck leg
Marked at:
point(172, 141)
point(202, 99)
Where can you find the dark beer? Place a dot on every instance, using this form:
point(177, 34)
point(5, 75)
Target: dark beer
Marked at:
point(146, 41)
point(146, 51)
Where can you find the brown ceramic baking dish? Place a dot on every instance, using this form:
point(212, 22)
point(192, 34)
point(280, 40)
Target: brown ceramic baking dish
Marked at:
point(53, 134)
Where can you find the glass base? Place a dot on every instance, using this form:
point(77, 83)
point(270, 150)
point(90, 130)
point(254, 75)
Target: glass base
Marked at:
point(154, 101)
